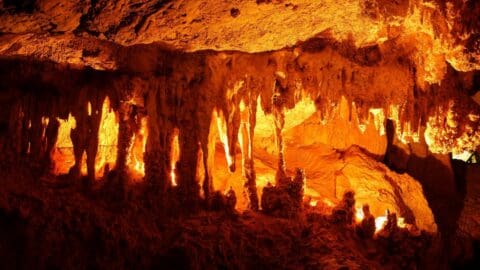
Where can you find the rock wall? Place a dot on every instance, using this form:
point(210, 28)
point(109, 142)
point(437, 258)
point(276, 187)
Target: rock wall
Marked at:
point(183, 91)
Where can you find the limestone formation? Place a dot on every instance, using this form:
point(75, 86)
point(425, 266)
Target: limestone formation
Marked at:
point(366, 228)
point(172, 102)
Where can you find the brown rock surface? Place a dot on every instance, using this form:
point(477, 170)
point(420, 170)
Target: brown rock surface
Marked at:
point(188, 98)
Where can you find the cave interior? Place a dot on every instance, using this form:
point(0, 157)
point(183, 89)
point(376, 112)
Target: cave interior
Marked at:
point(273, 134)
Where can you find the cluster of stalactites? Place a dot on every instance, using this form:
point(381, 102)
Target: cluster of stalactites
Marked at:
point(282, 117)
point(192, 108)
point(445, 128)
point(447, 131)
point(64, 145)
point(185, 136)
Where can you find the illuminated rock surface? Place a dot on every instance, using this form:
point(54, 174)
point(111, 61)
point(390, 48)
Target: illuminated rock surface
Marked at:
point(165, 105)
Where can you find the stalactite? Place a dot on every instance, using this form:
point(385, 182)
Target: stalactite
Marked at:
point(208, 143)
point(127, 127)
point(184, 89)
point(224, 130)
point(152, 154)
point(232, 114)
point(159, 141)
point(279, 116)
point(362, 112)
point(51, 135)
point(187, 167)
point(78, 134)
point(249, 165)
point(85, 135)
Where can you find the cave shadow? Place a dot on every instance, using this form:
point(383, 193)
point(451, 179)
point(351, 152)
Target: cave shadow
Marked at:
point(444, 187)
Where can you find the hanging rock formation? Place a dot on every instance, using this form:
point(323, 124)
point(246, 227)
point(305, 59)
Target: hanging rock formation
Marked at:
point(334, 72)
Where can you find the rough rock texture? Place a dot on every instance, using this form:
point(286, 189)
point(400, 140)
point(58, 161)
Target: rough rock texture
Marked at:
point(266, 81)
point(330, 174)
point(341, 130)
point(469, 222)
point(442, 28)
point(382, 189)
point(54, 226)
point(366, 228)
point(221, 84)
point(344, 212)
point(284, 200)
point(433, 32)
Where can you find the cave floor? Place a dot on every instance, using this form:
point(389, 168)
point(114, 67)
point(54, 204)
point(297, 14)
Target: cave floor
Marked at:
point(55, 224)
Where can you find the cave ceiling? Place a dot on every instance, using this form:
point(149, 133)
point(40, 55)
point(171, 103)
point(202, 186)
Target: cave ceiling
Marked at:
point(415, 54)
point(433, 33)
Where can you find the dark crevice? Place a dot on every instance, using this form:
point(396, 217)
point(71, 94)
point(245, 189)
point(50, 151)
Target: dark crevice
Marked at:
point(20, 6)
point(87, 18)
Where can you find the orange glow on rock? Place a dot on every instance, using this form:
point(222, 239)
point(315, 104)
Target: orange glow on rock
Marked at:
point(107, 139)
point(222, 132)
point(174, 156)
point(137, 149)
point(89, 108)
point(380, 221)
point(447, 131)
point(62, 155)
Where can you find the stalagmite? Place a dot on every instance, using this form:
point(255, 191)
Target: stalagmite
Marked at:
point(391, 227)
point(344, 212)
point(230, 200)
point(366, 228)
